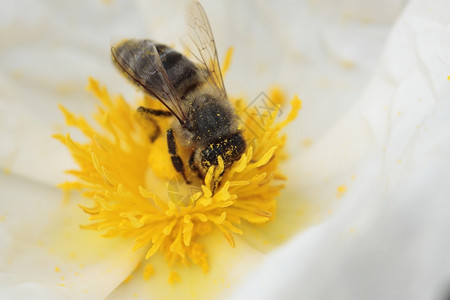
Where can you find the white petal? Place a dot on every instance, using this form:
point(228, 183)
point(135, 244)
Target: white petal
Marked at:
point(45, 255)
point(47, 52)
point(389, 238)
point(71, 42)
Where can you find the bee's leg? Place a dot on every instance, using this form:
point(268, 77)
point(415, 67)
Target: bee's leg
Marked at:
point(154, 112)
point(176, 160)
point(157, 132)
point(199, 174)
point(194, 167)
point(148, 113)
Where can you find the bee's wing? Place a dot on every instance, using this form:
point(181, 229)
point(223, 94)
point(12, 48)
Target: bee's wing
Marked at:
point(141, 62)
point(202, 46)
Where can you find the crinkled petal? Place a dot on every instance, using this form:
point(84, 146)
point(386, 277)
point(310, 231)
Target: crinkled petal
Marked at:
point(388, 239)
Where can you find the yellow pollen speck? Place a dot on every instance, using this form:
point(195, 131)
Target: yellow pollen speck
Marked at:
point(2, 218)
point(347, 64)
point(174, 277)
point(277, 96)
point(353, 177)
point(148, 272)
point(448, 77)
point(6, 171)
point(307, 143)
point(352, 230)
point(340, 191)
point(17, 74)
point(135, 191)
point(65, 88)
point(57, 269)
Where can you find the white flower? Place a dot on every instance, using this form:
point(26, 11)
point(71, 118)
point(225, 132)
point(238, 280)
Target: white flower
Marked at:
point(368, 166)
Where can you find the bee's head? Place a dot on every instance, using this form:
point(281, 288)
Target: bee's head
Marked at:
point(230, 148)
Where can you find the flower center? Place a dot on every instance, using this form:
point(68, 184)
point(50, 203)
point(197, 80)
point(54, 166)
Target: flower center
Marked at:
point(137, 193)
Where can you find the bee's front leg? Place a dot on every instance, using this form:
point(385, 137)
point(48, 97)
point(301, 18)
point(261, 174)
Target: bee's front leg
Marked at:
point(194, 167)
point(154, 112)
point(176, 159)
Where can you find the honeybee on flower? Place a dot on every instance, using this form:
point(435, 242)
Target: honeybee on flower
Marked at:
point(124, 169)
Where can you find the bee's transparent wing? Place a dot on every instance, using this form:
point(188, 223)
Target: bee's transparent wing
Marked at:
point(140, 61)
point(202, 46)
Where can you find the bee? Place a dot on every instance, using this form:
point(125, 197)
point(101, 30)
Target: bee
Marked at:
point(194, 93)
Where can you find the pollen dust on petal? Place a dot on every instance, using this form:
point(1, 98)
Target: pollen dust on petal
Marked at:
point(174, 277)
point(307, 142)
point(149, 271)
point(340, 191)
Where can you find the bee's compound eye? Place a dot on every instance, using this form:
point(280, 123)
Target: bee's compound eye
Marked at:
point(230, 149)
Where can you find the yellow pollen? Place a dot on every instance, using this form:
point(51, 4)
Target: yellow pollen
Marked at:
point(148, 272)
point(340, 191)
point(174, 277)
point(307, 142)
point(277, 95)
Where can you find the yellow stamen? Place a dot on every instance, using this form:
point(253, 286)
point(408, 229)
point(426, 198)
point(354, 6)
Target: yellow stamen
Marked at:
point(136, 192)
